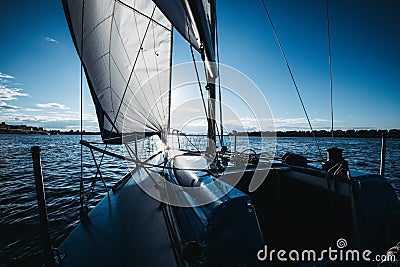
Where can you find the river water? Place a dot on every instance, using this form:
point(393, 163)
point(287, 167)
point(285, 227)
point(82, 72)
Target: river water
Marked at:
point(19, 221)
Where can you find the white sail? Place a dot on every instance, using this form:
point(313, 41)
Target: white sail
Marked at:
point(123, 44)
point(192, 19)
point(177, 14)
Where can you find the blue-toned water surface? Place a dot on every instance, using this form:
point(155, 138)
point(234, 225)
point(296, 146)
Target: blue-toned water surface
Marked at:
point(19, 221)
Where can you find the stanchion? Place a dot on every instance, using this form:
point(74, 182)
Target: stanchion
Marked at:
point(41, 200)
point(383, 155)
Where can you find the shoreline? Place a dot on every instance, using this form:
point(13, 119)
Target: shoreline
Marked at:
point(362, 133)
point(49, 133)
point(250, 134)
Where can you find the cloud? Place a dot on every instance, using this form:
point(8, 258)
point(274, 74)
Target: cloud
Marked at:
point(53, 105)
point(50, 40)
point(5, 106)
point(49, 115)
point(7, 109)
point(60, 121)
point(5, 76)
point(296, 121)
point(7, 94)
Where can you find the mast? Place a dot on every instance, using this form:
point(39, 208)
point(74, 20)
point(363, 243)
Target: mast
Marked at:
point(211, 77)
point(195, 20)
point(196, 11)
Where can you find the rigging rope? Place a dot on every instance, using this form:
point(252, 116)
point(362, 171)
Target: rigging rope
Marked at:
point(198, 81)
point(133, 68)
point(122, 99)
point(330, 66)
point(117, 113)
point(81, 185)
point(221, 133)
point(198, 150)
point(291, 74)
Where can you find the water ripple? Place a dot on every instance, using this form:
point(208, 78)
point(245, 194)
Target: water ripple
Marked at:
point(19, 222)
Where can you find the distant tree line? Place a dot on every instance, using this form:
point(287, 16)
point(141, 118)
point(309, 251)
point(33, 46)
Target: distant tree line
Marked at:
point(24, 129)
point(72, 132)
point(392, 133)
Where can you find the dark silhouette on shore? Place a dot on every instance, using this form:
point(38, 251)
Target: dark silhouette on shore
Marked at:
point(392, 133)
point(24, 129)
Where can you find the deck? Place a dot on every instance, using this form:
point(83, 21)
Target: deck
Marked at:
point(125, 229)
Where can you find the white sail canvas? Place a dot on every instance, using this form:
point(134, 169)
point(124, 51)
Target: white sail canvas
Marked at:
point(125, 43)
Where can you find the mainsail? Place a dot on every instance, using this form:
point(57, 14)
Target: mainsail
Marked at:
point(123, 45)
point(192, 19)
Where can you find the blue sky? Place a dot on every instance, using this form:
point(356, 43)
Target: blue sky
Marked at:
point(40, 71)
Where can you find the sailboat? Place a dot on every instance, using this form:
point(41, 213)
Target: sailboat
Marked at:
point(201, 208)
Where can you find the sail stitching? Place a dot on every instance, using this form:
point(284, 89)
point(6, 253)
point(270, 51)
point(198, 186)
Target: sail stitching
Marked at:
point(136, 121)
point(142, 14)
point(148, 76)
point(157, 69)
point(133, 68)
point(122, 42)
point(130, 62)
point(138, 112)
point(97, 25)
point(109, 52)
point(146, 68)
point(130, 90)
point(145, 118)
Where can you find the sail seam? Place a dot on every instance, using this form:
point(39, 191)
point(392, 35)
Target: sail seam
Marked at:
point(144, 61)
point(109, 52)
point(141, 13)
point(97, 25)
point(141, 52)
point(154, 123)
point(122, 42)
point(130, 89)
point(157, 69)
point(137, 79)
point(133, 68)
